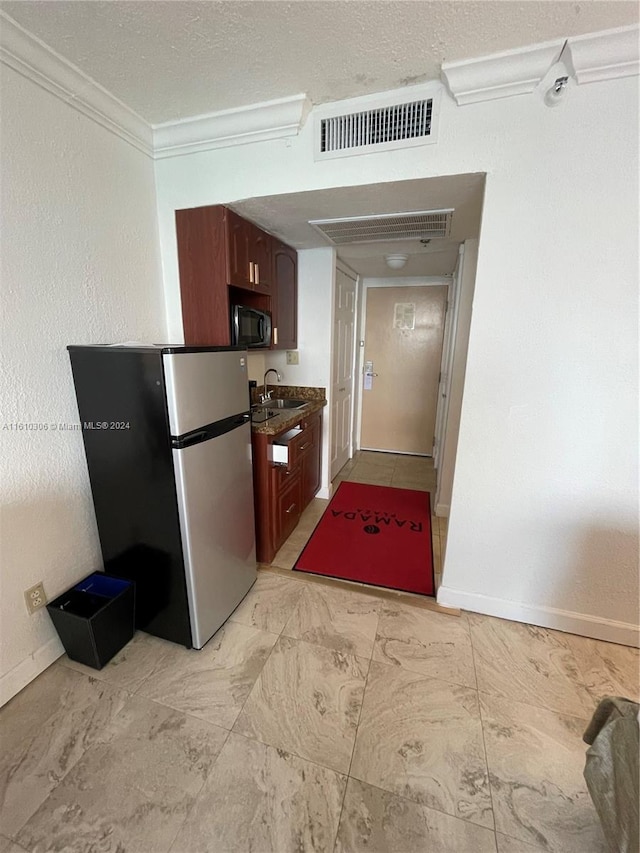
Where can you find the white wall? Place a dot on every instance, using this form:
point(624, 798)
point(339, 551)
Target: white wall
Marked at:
point(466, 274)
point(80, 264)
point(544, 507)
point(256, 366)
point(316, 278)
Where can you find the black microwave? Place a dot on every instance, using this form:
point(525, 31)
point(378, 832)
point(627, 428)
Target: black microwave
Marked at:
point(250, 327)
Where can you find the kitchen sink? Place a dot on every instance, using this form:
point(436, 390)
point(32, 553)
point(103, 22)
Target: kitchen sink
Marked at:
point(262, 412)
point(284, 404)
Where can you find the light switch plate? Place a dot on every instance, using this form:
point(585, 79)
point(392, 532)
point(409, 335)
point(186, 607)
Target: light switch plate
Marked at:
point(293, 357)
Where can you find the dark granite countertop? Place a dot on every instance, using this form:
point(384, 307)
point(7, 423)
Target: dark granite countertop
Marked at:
point(288, 417)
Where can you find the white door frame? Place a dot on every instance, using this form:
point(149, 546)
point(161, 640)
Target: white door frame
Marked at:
point(445, 378)
point(448, 349)
point(350, 273)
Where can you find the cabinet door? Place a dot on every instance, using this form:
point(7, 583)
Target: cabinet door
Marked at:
point(310, 462)
point(285, 296)
point(287, 506)
point(238, 233)
point(260, 256)
point(202, 259)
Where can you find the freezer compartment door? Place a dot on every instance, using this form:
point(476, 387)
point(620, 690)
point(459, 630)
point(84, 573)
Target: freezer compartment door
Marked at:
point(204, 387)
point(214, 481)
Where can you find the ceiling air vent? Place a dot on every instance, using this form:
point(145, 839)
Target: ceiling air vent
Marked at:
point(416, 225)
point(399, 119)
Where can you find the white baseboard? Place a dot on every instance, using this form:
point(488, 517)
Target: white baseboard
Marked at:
point(13, 681)
point(547, 617)
point(442, 510)
point(325, 492)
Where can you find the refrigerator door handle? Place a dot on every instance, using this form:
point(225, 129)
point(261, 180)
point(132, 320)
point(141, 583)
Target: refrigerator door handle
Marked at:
point(211, 431)
point(192, 438)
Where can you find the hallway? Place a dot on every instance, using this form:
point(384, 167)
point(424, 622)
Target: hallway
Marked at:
point(378, 469)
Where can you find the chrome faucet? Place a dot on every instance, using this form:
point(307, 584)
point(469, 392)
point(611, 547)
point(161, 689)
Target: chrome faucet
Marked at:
point(267, 394)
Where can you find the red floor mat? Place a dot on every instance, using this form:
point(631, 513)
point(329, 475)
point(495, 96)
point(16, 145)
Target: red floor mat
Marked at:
point(376, 535)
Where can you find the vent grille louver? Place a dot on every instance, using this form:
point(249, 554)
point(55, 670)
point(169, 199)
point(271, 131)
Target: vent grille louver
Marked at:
point(384, 121)
point(376, 127)
point(417, 225)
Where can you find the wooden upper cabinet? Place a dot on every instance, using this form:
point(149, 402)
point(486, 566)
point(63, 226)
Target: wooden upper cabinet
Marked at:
point(284, 296)
point(202, 260)
point(238, 233)
point(225, 259)
point(249, 259)
point(261, 254)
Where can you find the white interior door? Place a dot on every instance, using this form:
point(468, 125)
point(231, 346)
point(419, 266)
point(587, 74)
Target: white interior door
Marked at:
point(342, 377)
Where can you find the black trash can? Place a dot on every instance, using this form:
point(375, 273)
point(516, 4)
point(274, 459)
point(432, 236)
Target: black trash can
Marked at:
point(95, 618)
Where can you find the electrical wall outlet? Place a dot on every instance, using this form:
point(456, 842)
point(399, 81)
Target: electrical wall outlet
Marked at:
point(35, 597)
point(293, 357)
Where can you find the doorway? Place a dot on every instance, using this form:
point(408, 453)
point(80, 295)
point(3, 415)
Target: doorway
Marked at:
point(404, 329)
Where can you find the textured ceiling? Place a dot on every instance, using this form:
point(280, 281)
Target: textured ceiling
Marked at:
point(287, 216)
point(168, 59)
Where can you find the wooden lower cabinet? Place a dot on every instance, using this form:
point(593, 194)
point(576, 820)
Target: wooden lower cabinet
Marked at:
point(283, 491)
point(287, 507)
point(310, 472)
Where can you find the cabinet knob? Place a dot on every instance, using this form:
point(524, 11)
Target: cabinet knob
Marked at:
point(291, 508)
point(256, 268)
point(251, 272)
point(275, 336)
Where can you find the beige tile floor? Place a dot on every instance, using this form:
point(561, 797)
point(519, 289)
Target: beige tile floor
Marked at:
point(318, 718)
point(322, 716)
point(379, 469)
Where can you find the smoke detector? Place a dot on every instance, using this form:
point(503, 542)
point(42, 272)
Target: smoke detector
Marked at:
point(396, 262)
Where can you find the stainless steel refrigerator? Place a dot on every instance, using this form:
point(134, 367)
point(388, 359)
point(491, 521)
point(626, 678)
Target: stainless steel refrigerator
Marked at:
point(167, 438)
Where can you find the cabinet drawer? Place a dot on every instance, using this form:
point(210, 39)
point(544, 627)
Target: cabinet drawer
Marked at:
point(303, 445)
point(283, 476)
point(296, 442)
point(288, 509)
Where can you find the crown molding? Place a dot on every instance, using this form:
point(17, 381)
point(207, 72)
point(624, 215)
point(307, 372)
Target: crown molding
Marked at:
point(277, 119)
point(597, 56)
point(606, 55)
point(36, 61)
point(511, 72)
